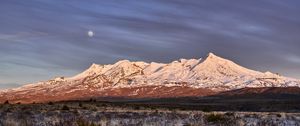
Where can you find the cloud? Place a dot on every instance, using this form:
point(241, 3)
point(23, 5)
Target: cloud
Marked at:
point(51, 35)
point(293, 59)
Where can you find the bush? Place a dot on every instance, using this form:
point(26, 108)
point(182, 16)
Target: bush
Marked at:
point(50, 103)
point(6, 102)
point(216, 118)
point(136, 108)
point(92, 100)
point(82, 123)
point(65, 107)
point(278, 115)
point(187, 124)
point(229, 114)
point(94, 109)
point(8, 110)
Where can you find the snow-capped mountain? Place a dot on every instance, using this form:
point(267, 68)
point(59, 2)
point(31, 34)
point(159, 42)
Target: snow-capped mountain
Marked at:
point(185, 77)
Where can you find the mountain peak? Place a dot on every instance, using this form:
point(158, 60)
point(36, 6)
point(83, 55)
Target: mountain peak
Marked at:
point(214, 65)
point(123, 61)
point(211, 57)
point(94, 65)
point(210, 54)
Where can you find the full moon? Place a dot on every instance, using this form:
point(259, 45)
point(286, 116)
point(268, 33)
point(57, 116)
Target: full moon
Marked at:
point(90, 33)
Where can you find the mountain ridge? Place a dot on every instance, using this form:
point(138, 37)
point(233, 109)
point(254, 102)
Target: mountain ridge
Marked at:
point(213, 74)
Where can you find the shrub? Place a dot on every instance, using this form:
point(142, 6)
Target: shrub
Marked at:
point(136, 108)
point(92, 100)
point(50, 103)
point(82, 123)
point(229, 114)
point(187, 124)
point(94, 109)
point(216, 118)
point(92, 124)
point(278, 115)
point(6, 102)
point(7, 110)
point(65, 107)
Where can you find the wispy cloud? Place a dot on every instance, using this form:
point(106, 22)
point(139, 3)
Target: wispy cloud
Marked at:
point(50, 35)
point(293, 58)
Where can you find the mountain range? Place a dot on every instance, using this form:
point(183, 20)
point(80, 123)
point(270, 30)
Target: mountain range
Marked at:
point(180, 78)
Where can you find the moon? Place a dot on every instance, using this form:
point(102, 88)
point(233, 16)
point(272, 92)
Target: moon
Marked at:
point(90, 33)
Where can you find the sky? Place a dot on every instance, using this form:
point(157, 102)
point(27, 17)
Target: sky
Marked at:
point(43, 39)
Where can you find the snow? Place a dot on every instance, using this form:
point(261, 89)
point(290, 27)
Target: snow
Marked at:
point(214, 72)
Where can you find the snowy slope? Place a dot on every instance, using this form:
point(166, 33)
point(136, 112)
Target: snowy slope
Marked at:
point(214, 73)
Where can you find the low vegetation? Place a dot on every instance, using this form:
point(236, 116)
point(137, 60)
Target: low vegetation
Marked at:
point(97, 113)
